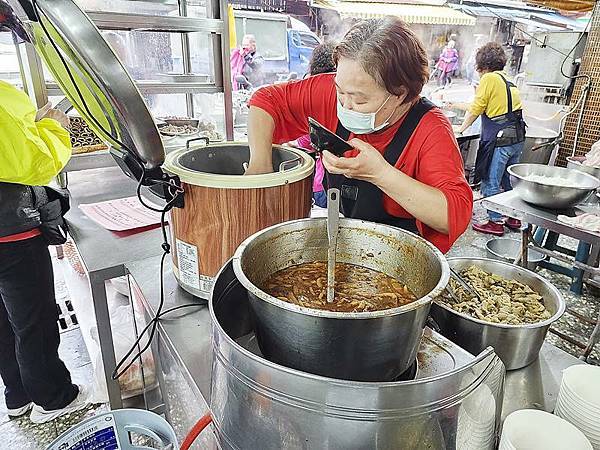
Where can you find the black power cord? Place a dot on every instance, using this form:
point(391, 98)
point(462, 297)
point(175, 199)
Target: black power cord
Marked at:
point(121, 366)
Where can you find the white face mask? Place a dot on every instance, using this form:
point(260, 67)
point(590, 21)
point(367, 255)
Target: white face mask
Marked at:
point(361, 123)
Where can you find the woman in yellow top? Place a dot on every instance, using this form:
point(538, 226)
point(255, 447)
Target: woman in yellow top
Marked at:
point(34, 147)
point(498, 102)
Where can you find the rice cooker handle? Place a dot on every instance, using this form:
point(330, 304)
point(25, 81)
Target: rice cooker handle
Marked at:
point(284, 165)
point(201, 138)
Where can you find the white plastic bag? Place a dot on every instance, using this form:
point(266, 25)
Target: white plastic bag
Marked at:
point(137, 376)
point(592, 158)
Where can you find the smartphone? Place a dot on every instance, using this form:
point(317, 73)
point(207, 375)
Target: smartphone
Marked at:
point(323, 139)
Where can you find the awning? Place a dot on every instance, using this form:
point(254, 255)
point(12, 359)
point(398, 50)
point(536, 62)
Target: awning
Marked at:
point(543, 19)
point(566, 5)
point(422, 14)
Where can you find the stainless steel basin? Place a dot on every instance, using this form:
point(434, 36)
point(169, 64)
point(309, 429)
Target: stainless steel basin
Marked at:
point(549, 196)
point(516, 345)
point(367, 346)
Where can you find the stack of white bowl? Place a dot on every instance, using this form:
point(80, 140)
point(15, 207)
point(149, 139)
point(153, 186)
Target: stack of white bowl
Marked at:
point(532, 429)
point(477, 420)
point(579, 400)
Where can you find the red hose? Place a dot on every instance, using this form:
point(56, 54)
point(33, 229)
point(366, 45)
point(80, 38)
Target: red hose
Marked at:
point(204, 421)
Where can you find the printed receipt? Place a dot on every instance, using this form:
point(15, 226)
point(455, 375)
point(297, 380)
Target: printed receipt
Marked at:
point(187, 260)
point(122, 214)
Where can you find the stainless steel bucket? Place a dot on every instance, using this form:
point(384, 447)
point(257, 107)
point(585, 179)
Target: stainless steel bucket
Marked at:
point(517, 345)
point(539, 145)
point(368, 346)
point(258, 404)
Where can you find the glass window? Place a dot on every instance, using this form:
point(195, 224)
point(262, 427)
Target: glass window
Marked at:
point(165, 105)
point(9, 63)
point(155, 8)
point(307, 40)
point(210, 108)
point(271, 36)
point(154, 56)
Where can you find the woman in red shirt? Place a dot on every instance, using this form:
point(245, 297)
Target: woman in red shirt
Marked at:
point(405, 169)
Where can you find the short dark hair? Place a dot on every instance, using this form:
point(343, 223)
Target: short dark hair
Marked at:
point(490, 57)
point(390, 52)
point(322, 59)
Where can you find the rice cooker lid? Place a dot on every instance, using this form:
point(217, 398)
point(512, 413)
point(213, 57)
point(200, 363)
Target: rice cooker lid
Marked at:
point(95, 81)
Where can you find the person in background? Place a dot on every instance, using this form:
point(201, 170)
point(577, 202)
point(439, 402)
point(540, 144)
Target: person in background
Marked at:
point(34, 147)
point(470, 65)
point(498, 102)
point(447, 63)
point(245, 61)
point(321, 62)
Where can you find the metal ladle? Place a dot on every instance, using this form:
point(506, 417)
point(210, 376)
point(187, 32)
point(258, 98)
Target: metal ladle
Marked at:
point(333, 225)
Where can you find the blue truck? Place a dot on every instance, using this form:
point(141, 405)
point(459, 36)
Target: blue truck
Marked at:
point(284, 43)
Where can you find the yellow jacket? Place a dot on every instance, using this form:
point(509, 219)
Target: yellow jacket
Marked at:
point(31, 152)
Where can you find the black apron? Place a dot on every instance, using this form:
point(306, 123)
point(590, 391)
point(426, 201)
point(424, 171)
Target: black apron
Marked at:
point(512, 126)
point(363, 200)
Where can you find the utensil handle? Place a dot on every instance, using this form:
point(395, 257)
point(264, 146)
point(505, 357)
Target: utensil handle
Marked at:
point(466, 286)
point(333, 214)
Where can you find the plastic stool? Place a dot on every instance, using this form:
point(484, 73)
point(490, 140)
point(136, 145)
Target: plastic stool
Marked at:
point(111, 431)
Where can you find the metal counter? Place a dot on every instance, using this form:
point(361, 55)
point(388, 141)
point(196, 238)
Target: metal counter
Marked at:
point(509, 204)
point(185, 342)
point(104, 253)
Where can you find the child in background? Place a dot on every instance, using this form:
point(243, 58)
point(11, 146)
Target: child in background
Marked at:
point(321, 62)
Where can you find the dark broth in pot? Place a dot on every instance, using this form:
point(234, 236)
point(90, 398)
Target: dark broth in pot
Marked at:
point(357, 288)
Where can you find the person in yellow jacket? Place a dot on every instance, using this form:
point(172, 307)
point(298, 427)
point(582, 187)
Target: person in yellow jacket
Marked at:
point(34, 147)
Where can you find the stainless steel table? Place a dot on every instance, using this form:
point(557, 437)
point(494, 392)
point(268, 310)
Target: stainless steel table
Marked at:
point(509, 204)
point(184, 354)
point(104, 253)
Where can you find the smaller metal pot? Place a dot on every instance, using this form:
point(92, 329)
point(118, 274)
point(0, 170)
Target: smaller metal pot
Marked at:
point(517, 345)
point(508, 250)
point(576, 162)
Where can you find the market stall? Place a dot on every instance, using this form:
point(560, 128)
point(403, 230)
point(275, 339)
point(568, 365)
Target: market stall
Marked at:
point(271, 371)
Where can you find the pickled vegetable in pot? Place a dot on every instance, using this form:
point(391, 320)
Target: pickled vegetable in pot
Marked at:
point(357, 288)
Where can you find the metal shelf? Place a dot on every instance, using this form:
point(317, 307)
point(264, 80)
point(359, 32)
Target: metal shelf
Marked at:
point(156, 87)
point(145, 22)
point(215, 25)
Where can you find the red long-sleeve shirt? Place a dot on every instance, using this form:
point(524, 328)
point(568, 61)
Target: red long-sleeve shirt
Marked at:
point(431, 155)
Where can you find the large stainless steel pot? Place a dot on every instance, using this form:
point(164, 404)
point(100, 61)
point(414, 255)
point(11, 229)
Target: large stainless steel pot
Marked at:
point(369, 346)
point(258, 404)
point(539, 144)
point(516, 345)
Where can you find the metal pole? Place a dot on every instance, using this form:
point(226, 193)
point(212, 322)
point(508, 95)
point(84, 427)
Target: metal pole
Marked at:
point(217, 9)
point(34, 81)
point(187, 63)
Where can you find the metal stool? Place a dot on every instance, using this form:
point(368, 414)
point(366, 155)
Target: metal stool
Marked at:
point(114, 429)
point(581, 255)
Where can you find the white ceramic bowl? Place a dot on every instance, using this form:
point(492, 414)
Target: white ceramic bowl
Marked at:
point(538, 430)
point(583, 382)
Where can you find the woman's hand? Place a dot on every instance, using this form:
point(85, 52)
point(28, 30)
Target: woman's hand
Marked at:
point(368, 165)
point(47, 112)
